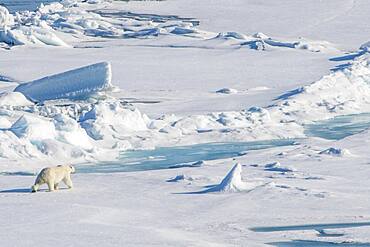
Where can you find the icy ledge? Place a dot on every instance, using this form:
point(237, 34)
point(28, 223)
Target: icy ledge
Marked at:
point(79, 83)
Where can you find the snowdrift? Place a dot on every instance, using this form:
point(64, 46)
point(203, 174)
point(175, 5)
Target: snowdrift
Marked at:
point(342, 92)
point(74, 84)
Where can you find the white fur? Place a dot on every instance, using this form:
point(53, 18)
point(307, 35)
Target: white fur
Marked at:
point(52, 176)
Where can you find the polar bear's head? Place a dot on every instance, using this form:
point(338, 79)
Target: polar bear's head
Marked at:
point(73, 170)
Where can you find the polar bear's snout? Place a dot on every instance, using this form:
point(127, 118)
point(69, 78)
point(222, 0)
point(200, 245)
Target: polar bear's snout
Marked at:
point(52, 176)
point(73, 170)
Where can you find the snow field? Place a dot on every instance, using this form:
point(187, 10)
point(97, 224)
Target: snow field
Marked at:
point(167, 63)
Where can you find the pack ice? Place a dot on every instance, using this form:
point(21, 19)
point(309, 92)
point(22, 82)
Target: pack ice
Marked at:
point(74, 84)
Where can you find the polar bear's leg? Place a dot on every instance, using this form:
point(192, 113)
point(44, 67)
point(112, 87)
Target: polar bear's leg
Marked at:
point(35, 188)
point(51, 185)
point(56, 186)
point(67, 180)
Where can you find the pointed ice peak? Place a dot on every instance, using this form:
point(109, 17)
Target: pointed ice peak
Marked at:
point(232, 181)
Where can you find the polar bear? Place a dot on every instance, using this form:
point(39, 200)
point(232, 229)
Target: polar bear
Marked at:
point(52, 176)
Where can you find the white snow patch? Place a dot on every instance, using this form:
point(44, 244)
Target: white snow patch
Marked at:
point(14, 99)
point(69, 131)
point(261, 88)
point(6, 19)
point(33, 128)
point(4, 123)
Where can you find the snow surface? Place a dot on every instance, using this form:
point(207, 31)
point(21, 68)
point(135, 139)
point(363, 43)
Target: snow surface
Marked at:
point(293, 64)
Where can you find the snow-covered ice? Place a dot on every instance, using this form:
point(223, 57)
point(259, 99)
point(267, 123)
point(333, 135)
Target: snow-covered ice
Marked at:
point(280, 90)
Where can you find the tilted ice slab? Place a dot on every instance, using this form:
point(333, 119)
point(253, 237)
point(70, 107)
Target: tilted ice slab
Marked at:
point(74, 84)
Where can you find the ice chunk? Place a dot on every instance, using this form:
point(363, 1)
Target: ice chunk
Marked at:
point(180, 177)
point(231, 35)
point(74, 84)
point(277, 167)
point(227, 91)
point(336, 152)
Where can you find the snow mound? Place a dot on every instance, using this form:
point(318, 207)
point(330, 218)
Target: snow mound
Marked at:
point(14, 99)
point(33, 128)
point(79, 83)
point(277, 167)
point(4, 123)
point(70, 132)
point(231, 35)
point(233, 182)
point(106, 120)
point(336, 152)
point(227, 91)
point(181, 177)
point(261, 88)
point(191, 164)
point(6, 19)
point(342, 92)
point(187, 178)
point(365, 47)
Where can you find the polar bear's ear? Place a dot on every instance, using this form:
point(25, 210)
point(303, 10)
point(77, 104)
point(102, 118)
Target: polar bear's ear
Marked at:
point(72, 168)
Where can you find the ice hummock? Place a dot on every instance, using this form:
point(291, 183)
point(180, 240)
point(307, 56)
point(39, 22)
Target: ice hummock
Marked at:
point(79, 83)
point(233, 182)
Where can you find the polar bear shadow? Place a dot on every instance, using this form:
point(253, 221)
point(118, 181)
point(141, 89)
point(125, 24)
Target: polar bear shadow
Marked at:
point(25, 190)
point(16, 190)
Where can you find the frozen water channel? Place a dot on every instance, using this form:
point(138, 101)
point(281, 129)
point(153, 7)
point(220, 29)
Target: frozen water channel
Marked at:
point(339, 127)
point(175, 157)
point(191, 156)
point(319, 229)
